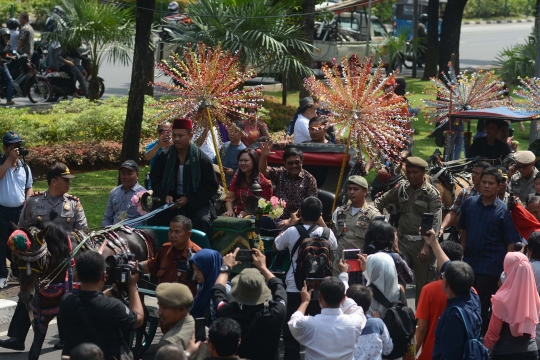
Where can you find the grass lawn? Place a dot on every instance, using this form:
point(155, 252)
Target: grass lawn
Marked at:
point(93, 187)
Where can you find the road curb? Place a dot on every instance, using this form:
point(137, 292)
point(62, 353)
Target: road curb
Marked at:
point(7, 308)
point(483, 22)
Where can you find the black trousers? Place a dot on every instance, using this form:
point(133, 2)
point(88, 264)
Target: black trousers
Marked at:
point(20, 323)
point(531, 355)
point(485, 285)
point(7, 214)
point(291, 346)
point(201, 218)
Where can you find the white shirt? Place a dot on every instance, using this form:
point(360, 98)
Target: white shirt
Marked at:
point(208, 145)
point(13, 186)
point(329, 335)
point(14, 41)
point(287, 239)
point(301, 129)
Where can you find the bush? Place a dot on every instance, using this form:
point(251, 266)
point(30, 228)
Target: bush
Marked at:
point(78, 120)
point(496, 8)
point(279, 115)
point(78, 153)
point(517, 60)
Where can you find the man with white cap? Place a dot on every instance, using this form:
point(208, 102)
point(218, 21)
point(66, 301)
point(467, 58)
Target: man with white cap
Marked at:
point(522, 182)
point(258, 305)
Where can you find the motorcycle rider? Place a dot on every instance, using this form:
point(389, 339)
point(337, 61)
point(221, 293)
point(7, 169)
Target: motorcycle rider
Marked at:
point(55, 22)
point(13, 26)
point(421, 34)
point(56, 61)
point(172, 9)
point(75, 53)
point(4, 54)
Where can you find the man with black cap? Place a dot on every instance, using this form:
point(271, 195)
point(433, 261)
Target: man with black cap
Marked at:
point(489, 147)
point(15, 187)
point(414, 197)
point(119, 206)
point(352, 221)
point(258, 305)
point(184, 175)
point(522, 182)
point(56, 206)
point(307, 111)
point(177, 325)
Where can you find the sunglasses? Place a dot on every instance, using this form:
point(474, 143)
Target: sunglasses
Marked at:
point(291, 163)
point(161, 131)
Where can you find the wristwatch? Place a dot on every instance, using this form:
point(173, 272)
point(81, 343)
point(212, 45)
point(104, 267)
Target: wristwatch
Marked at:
point(225, 269)
point(187, 354)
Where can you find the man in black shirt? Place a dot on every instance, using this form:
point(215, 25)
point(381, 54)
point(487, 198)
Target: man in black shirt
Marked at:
point(259, 308)
point(95, 316)
point(489, 147)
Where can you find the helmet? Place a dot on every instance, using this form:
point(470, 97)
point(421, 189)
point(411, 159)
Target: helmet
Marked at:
point(4, 31)
point(423, 18)
point(173, 6)
point(58, 10)
point(13, 23)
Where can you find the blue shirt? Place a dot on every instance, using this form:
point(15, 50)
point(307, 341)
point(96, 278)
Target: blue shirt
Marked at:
point(119, 206)
point(450, 334)
point(152, 160)
point(489, 232)
point(229, 157)
point(13, 186)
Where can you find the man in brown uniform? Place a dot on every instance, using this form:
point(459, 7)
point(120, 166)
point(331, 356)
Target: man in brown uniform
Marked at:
point(171, 262)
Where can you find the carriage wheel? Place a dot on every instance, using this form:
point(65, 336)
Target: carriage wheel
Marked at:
point(141, 339)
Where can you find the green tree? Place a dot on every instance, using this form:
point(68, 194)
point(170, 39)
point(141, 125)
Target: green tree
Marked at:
point(107, 28)
point(259, 29)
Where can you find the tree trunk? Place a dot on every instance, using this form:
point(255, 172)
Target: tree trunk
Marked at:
point(139, 80)
point(432, 49)
point(450, 34)
point(149, 73)
point(309, 29)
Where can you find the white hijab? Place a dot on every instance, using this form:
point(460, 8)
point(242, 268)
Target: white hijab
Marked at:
point(381, 272)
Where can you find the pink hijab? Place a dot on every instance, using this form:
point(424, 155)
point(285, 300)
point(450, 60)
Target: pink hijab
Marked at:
point(517, 302)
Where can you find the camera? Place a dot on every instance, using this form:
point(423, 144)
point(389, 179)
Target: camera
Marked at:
point(23, 151)
point(119, 268)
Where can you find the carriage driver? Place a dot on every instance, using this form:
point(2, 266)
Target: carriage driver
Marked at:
point(351, 221)
point(54, 205)
point(414, 197)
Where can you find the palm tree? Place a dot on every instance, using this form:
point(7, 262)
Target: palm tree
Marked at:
point(266, 37)
point(107, 28)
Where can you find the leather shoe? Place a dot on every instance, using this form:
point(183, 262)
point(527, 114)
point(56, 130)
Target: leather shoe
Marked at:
point(12, 344)
point(59, 345)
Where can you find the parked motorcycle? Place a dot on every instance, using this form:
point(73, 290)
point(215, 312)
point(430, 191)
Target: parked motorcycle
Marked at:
point(26, 81)
point(85, 63)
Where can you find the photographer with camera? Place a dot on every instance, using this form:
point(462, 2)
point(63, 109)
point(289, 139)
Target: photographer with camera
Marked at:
point(96, 316)
point(171, 263)
point(15, 188)
point(258, 304)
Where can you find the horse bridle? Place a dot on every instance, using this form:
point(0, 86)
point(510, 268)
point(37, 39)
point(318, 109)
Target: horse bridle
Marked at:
point(40, 256)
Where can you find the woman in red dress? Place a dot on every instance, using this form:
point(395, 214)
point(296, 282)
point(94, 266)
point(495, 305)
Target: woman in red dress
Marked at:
point(248, 171)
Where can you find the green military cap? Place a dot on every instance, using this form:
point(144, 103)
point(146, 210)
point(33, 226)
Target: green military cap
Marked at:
point(524, 157)
point(174, 295)
point(358, 180)
point(413, 161)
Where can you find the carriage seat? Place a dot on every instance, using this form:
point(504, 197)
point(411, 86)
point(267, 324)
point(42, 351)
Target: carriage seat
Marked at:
point(327, 199)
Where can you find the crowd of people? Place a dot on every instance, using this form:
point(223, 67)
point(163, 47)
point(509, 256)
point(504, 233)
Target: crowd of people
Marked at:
point(343, 297)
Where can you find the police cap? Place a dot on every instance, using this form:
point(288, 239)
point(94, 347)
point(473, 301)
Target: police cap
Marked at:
point(358, 180)
point(59, 169)
point(524, 157)
point(174, 295)
point(413, 161)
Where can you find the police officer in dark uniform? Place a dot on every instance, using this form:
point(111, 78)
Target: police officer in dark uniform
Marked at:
point(56, 206)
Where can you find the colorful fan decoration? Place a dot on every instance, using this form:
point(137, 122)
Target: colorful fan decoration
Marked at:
point(376, 120)
point(529, 91)
point(480, 90)
point(206, 88)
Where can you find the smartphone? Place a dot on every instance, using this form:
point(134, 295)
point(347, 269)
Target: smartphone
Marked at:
point(351, 258)
point(315, 284)
point(427, 223)
point(200, 329)
point(244, 255)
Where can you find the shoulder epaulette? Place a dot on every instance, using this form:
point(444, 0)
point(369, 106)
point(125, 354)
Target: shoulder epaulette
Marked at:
point(38, 193)
point(72, 197)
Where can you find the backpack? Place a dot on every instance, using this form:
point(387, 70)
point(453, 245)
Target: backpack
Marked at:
point(399, 320)
point(474, 349)
point(314, 255)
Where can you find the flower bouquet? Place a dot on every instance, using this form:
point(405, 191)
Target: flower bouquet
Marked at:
point(136, 200)
point(273, 207)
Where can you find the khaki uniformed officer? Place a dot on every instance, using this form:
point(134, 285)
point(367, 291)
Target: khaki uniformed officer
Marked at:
point(54, 204)
point(522, 182)
point(174, 301)
point(414, 197)
point(352, 221)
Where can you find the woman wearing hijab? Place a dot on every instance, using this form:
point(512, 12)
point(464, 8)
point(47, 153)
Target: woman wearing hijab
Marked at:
point(381, 272)
point(514, 312)
point(206, 264)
